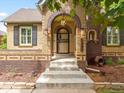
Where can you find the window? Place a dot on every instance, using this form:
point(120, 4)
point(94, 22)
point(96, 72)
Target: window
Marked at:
point(25, 36)
point(113, 37)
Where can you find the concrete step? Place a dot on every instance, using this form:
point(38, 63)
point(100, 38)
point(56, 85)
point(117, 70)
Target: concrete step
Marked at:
point(63, 69)
point(64, 60)
point(64, 83)
point(67, 90)
point(64, 74)
point(63, 65)
point(67, 63)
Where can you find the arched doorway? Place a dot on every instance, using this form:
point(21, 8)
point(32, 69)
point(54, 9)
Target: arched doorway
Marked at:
point(63, 41)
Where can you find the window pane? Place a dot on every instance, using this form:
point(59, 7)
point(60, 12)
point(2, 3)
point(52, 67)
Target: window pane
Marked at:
point(29, 40)
point(23, 40)
point(28, 31)
point(115, 39)
point(23, 31)
point(29, 36)
point(109, 39)
point(23, 36)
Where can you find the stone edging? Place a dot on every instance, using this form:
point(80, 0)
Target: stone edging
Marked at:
point(16, 85)
point(109, 85)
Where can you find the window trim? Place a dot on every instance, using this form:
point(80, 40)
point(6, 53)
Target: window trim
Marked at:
point(20, 31)
point(113, 44)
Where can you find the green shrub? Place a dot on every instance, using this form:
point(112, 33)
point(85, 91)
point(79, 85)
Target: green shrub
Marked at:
point(4, 42)
point(106, 90)
point(109, 61)
point(121, 61)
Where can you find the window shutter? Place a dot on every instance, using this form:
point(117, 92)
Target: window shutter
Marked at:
point(122, 37)
point(34, 35)
point(16, 35)
point(104, 38)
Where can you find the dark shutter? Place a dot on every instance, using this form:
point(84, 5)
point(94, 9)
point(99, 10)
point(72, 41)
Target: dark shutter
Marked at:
point(34, 35)
point(121, 37)
point(16, 35)
point(104, 38)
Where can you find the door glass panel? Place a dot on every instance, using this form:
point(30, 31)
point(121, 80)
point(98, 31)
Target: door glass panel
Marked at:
point(63, 48)
point(63, 41)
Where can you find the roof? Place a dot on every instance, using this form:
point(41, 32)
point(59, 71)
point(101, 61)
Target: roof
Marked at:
point(25, 15)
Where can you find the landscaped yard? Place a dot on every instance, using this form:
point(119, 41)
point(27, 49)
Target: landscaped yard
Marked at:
point(105, 90)
point(109, 73)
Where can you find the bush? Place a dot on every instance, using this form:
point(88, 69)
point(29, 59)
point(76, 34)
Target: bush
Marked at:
point(107, 90)
point(4, 42)
point(109, 61)
point(121, 61)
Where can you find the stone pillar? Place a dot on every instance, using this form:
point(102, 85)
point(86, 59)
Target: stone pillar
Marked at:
point(83, 35)
point(49, 44)
point(78, 45)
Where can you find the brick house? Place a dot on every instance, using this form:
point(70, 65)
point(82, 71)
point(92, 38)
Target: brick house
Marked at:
point(39, 34)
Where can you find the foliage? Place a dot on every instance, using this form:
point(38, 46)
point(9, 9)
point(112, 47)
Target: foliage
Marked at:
point(4, 42)
point(109, 61)
point(121, 61)
point(105, 90)
point(103, 12)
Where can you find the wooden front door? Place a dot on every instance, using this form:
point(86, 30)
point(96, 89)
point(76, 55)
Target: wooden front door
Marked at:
point(62, 41)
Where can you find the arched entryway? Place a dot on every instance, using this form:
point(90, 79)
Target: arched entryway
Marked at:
point(63, 36)
point(63, 41)
point(67, 41)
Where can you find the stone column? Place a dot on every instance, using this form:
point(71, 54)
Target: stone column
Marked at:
point(49, 43)
point(83, 35)
point(78, 45)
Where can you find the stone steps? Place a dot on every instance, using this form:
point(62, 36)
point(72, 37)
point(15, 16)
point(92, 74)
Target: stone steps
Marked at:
point(64, 83)
point(63, 65)
point(63, 69)
point(63, 76)
point(64, 73)
point(67, 63)
point(63, 90)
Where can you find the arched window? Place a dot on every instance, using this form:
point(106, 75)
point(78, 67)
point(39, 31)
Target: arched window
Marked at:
point(92, 35)
point(113, 36)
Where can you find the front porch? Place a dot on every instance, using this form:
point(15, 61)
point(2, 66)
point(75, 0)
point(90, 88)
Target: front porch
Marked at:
point(65, 36)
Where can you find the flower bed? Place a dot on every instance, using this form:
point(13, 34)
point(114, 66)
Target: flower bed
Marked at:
point(108, 73)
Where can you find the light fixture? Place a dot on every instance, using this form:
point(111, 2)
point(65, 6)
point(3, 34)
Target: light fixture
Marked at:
point(63, 20)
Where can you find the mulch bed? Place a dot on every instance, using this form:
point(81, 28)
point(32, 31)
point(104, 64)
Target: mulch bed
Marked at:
point(108, 73)
point(18, 77)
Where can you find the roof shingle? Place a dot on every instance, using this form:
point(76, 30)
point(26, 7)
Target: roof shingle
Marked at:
point(25, 15)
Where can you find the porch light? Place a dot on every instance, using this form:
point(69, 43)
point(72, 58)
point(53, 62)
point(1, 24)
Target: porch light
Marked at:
point(63, 21)
point(116, 31)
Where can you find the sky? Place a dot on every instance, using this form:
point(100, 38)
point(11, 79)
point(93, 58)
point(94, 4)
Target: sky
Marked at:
point(7, 7)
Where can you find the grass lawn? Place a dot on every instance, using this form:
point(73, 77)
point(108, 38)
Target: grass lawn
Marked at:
point(109, 91)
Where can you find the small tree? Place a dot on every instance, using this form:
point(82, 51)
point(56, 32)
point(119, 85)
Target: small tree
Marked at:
point(103, 12)
point(4, 42)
